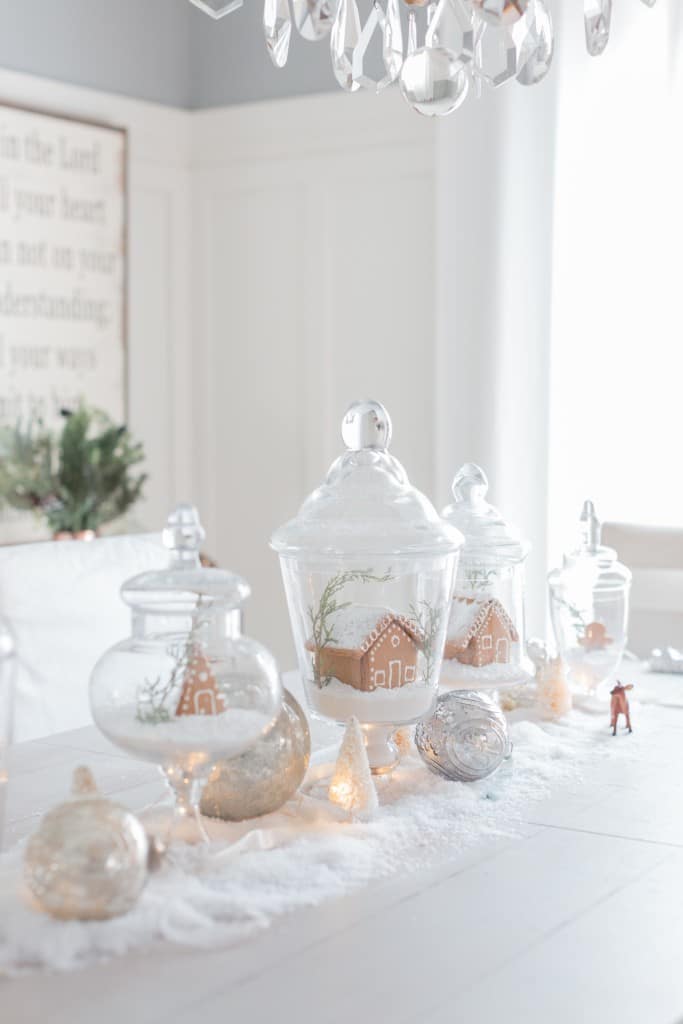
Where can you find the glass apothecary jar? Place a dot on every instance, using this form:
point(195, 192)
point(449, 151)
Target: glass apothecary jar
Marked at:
point(186, 689)
point(589, 600)
point(485, 642)
point(368, 569)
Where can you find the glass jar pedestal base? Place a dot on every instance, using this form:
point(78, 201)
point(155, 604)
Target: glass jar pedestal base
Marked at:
point(185, 824)
point(382, 750)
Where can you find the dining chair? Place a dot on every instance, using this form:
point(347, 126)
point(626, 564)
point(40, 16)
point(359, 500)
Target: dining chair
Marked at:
point(655, 556)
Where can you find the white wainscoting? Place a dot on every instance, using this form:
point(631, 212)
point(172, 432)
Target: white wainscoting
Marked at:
point(287, 257)
point(159, 315)
point(314, 285)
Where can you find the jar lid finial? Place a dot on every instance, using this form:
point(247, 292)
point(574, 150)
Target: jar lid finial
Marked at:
point(366, 424)
point(183, 534)
point(470, 484)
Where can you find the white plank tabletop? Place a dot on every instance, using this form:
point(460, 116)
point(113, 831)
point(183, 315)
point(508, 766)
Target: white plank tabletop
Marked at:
point(579, 919)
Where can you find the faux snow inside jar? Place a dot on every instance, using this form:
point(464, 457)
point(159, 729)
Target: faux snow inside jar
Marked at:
point(368, 569)
point(187, 689)
point(589, 598)
point(485, 647)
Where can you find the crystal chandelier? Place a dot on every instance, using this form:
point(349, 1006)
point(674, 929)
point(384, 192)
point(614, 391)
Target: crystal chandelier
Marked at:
point(450, 46)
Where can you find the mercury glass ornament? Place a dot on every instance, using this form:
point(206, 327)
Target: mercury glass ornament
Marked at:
point(267, 775)
point(187, 689)
point(368, 571)
point(465, 739)
point(589, 599)
point(88, 859)
point(433, 81)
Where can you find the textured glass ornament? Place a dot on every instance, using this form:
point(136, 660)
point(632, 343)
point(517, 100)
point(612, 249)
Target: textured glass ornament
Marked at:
point(267, 775)
point(500, 12)
point(343, 42)
point(597, 17)
point(466, 737)
point(495, 54)
point(88, 859)
point(451, 28)
point(217, 8)
point(277, 28)
point(433, 81)
point(534, 34)
point(314, 18)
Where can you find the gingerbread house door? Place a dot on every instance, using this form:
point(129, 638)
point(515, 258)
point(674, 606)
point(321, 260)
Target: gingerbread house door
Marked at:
point(502, 650)
point(205, 702)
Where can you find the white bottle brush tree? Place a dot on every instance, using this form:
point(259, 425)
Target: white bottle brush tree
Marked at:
point(352, 785)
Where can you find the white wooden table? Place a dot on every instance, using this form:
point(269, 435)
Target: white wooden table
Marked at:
point(578, 920)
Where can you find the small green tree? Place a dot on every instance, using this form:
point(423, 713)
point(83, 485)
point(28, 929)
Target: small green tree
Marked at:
point(79, 478)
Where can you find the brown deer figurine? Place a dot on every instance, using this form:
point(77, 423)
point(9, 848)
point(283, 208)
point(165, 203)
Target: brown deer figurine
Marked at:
point(619, 706)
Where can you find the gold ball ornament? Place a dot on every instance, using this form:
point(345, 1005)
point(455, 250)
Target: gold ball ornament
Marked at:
point(267, 775)
point(88, 858)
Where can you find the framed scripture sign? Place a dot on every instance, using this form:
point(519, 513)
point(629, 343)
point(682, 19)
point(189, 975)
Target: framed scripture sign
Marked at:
point(62, 272)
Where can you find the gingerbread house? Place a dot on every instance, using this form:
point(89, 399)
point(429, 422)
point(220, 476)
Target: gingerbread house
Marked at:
point(199, 694)
point(479, 632)
point(373, 649)
point(595, 637)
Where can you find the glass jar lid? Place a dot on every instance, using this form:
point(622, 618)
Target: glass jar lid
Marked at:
point(366, 504)
point(488, 536)
point(185, 583)
point(591, 559)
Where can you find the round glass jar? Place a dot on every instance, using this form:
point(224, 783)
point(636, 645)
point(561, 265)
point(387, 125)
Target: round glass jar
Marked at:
point(485, 642)
point(368, 570)
point(589, 599)
point(186, 689)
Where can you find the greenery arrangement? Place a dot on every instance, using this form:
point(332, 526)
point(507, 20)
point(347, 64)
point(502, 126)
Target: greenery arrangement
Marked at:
point(322, 624)
point(428, 620)
point(79, 477)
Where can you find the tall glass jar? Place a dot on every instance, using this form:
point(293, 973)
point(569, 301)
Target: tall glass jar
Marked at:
point(485, 643)
point(186, 689)
point(7, 671)
point(589, 600)
point(368, 571)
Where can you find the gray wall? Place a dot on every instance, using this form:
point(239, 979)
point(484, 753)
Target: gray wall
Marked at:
point(166, 51)
point(230, 63)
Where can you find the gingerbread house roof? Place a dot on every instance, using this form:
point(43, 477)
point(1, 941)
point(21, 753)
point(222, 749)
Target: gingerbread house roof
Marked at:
point(357, 628)
point(471, 615)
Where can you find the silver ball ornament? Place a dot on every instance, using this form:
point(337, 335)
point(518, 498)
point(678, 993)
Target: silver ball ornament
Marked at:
point(88, 858)
point(465, 738)
point(264, 777)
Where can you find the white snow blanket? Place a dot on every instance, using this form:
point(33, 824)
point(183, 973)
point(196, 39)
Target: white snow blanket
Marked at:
point(310, 852)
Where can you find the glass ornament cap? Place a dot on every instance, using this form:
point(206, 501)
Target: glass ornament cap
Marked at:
point(217, 8)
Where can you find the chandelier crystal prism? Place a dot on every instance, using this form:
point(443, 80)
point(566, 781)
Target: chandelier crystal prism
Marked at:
point(437, 51)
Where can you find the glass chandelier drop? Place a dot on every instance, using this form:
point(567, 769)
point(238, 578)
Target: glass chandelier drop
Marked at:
point(437, 54)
